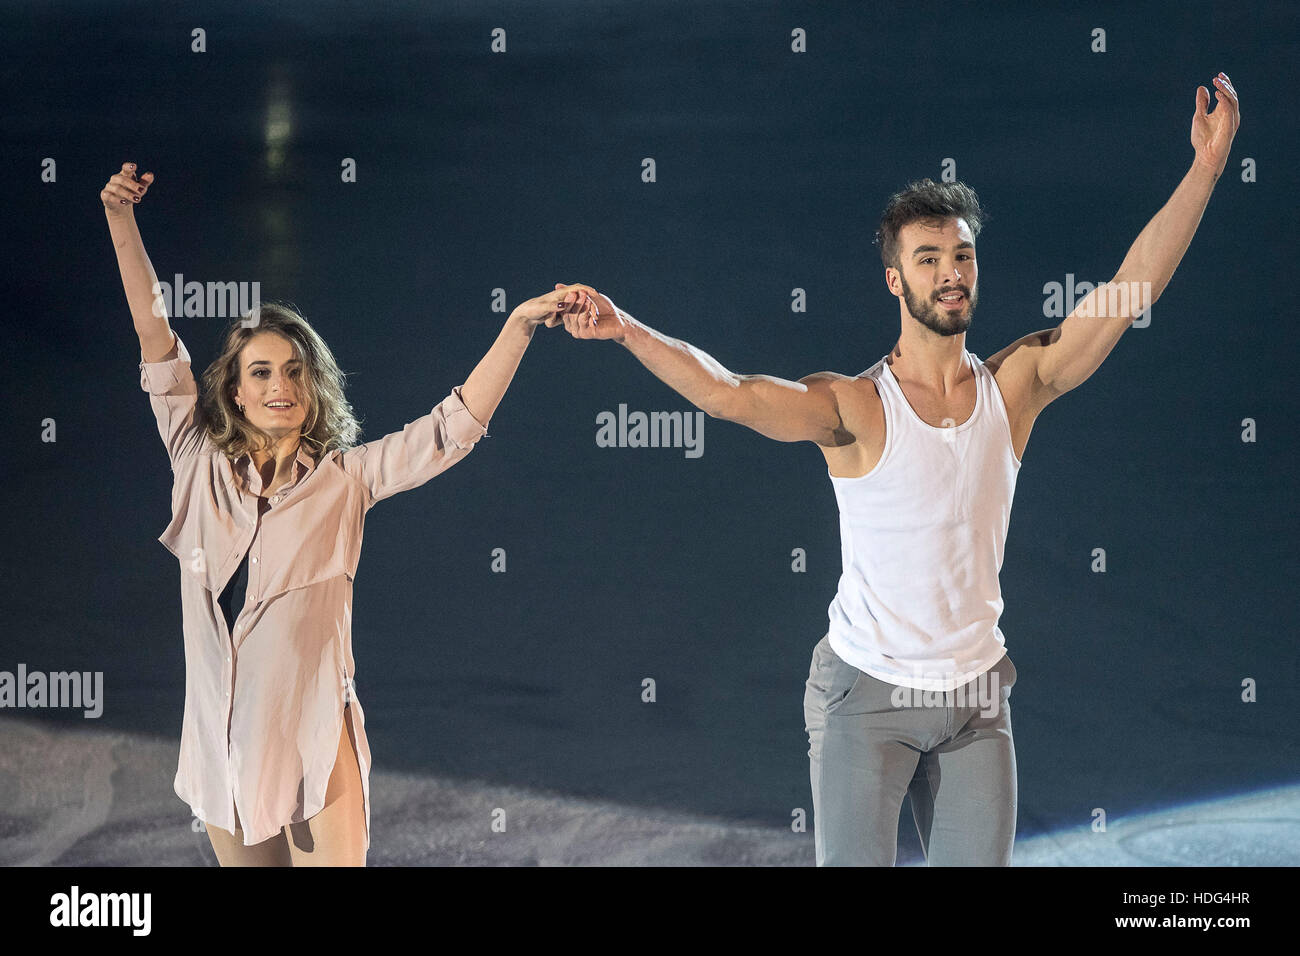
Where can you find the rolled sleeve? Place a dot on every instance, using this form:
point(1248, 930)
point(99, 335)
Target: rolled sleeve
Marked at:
point(424, 448)
point(464, 427)
point(174, 395)
point(159, 378)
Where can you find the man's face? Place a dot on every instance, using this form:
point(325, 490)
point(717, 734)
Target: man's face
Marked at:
point(938, 278)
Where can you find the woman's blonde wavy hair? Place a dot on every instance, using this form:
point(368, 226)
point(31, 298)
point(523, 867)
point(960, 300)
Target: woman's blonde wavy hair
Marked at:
point(330, 422)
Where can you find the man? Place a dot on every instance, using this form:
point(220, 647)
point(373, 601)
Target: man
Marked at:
point(908, 692)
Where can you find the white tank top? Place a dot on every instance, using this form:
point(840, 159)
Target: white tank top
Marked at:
point(921, 537)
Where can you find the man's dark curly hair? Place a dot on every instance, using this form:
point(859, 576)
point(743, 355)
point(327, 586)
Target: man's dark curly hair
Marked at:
point(929, 202)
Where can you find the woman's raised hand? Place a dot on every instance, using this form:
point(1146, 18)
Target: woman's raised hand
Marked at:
point(551, 308)
point(123, 191)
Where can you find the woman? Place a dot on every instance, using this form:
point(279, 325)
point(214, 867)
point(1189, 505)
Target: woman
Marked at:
point(269, 498)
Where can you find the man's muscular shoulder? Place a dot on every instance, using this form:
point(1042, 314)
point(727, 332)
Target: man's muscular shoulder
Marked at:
point(862, 419)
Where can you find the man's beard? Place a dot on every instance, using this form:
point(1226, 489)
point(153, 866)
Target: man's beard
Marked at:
point(937, 320)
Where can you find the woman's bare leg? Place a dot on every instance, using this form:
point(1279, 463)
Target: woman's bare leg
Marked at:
point(337, 835)
point(231, 851)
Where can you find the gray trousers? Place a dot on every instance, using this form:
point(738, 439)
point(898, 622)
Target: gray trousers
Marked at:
point(955, 759)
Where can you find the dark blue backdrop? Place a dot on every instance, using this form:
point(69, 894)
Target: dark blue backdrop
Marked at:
point(481, 170)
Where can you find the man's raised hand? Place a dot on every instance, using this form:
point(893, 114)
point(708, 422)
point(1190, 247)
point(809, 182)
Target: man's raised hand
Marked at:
point(1212, 133)
point(596, 317)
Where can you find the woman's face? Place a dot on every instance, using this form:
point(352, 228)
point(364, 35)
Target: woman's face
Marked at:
point(271, 385)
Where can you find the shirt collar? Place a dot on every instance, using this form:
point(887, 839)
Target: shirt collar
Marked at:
point(304, 464)
point(305, 459)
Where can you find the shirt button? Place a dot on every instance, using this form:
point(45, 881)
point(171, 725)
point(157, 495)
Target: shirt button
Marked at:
point(227, 658)
point(255, 560)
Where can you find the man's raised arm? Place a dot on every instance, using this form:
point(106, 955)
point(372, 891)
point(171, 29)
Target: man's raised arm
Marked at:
point(1075, 349)
point(806, 410)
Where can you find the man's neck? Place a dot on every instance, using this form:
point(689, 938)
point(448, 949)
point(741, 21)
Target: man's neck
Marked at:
point(929, 359)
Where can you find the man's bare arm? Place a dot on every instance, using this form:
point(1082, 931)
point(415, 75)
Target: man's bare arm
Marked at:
point(1074, 350)
point(806, 410)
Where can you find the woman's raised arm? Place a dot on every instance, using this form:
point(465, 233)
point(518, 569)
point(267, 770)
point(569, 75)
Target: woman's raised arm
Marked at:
point(487, 384)
point(120, 196)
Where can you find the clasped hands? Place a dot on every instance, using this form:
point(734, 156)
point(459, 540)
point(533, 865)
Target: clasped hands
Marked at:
point(584, 312)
